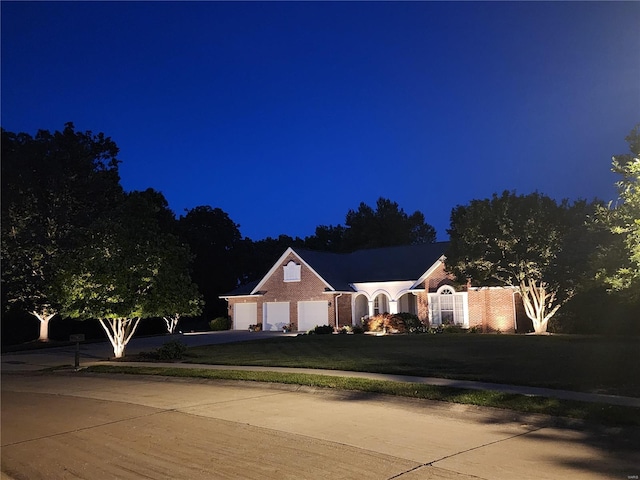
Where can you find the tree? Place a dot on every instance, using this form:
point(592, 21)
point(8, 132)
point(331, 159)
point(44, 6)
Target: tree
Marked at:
point(175, 292)
point(215, 241)
point(53, 186)
point(621, 258)
point(327, 238)
point(127, 269)
point(527, 241)
point(387, 226)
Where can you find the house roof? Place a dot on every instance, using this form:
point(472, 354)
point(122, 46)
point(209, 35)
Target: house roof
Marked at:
point(408, 262)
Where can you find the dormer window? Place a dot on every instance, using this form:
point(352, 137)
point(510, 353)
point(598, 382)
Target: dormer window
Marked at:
point(292, 272)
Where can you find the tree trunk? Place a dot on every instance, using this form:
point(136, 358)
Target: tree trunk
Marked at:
point(119, 331)
point(538, 304)
point(44, 316)
point(172, 322)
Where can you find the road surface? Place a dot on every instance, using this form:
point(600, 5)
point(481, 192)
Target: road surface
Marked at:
point(90, 426)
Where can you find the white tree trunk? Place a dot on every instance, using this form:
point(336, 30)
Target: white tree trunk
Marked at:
point(172, 322)
point(119, 331)
point(538, 304)
point(44, 316)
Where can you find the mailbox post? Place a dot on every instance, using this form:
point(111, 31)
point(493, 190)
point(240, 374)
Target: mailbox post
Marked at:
point(78, 337)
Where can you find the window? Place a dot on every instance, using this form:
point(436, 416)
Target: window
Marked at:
point(292, 272)
point(448, 307)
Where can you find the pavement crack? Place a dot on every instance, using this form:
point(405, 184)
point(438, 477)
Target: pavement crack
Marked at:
point(431, 464)
point(83, 429)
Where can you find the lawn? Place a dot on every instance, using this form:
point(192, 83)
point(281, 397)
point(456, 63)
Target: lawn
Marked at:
point(582, 363)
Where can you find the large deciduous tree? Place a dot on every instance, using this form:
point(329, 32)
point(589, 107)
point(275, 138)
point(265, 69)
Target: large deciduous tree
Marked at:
point(215, 241)
point(53, 186)
point(621, 258)
point(526, 241)
point(127, 269)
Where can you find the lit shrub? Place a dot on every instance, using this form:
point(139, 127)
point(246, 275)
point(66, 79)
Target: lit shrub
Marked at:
point(387, 322)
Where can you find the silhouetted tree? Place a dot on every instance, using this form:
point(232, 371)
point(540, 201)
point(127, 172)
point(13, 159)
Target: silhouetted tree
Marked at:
point(215, 241)
point(386, 226)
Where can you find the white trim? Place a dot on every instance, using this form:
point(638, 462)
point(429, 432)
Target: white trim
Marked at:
point(278, 263)
point(435, 309)
point(426, 274)
point(247, 295)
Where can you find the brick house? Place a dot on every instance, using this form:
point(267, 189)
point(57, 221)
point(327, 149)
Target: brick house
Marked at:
point(305, 288)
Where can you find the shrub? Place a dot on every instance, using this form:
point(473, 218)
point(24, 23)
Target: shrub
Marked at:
point(475, 329)
point(220, 323)
point(173, 350)
point(346, 329)
point(358, 330)
point(412, 323)
point(452, 329)
point(390, 323)
point(323, 329)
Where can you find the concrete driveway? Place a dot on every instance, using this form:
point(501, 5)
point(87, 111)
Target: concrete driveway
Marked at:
point(80, 425)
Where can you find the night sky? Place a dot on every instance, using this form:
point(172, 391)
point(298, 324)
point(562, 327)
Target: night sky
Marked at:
point(286, 115)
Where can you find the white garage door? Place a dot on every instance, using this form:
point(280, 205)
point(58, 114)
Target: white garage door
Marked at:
point(311, 314)
point(275, 315)
point(244, 314)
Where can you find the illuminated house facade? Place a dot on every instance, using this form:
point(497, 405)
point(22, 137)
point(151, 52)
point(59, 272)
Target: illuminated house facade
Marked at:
point(306, 288)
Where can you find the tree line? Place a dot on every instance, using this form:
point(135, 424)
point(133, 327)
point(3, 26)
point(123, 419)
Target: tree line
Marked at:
point(75, 244)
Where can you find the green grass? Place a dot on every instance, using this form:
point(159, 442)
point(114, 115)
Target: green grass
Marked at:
point(593, 412)
point(581, 363)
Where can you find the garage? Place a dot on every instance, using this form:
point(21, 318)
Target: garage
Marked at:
point(275, 315)
point(244, 314)
point(311, 314)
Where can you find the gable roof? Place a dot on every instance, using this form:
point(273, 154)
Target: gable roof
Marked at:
point(340, 270)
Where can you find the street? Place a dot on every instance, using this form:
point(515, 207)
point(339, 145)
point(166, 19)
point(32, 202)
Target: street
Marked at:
point(80, 425)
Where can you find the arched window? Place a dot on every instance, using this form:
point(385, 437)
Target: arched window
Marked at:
point(292, 272)
point(447, 307)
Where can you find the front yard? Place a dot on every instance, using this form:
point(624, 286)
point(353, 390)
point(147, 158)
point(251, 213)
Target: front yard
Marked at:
point(582, 363)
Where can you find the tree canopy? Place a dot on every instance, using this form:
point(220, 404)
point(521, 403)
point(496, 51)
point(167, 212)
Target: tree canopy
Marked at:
point(621, 259)
point(525, 241)
point(216, 243)
point(126, 270)
point(386, 226)
point(53, 186)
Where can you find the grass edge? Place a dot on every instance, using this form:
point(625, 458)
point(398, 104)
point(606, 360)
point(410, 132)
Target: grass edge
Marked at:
point(614, 415)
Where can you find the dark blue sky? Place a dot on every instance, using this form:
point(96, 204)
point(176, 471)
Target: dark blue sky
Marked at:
point(286, 115)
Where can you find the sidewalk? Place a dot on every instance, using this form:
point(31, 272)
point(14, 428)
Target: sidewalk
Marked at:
point(466, 384)
point(98, 353)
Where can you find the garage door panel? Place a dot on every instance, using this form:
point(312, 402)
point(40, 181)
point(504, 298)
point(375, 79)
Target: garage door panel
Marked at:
point(244, 314)
point(311, 314)
point(276, 316)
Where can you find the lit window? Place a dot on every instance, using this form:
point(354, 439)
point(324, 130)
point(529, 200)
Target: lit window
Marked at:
point(292, 272)
point(448, 307)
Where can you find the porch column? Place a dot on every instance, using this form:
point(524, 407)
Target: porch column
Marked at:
point(371, 308)
point(393, 306)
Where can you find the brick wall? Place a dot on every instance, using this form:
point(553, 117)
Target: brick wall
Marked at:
point(492, 309)
point(309, 288)
point(438, 278)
